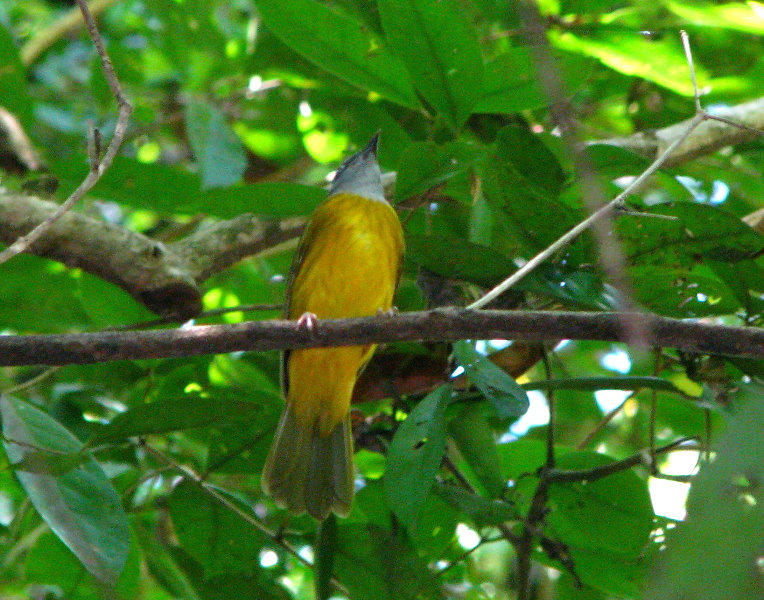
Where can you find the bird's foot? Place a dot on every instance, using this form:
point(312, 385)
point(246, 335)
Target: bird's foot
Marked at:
point(307, 320)
point(390, 312)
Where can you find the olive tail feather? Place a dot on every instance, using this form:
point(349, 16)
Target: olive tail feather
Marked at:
point(308, 472)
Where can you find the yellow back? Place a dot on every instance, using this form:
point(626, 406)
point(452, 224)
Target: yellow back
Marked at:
point(348, 265)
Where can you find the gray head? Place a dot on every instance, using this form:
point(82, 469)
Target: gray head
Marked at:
point(359, 174)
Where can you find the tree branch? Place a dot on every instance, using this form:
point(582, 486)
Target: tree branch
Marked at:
point(707, 137)
point(436, 325)
point(163, 277)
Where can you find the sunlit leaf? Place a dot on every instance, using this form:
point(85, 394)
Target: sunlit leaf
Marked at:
point(80, 505)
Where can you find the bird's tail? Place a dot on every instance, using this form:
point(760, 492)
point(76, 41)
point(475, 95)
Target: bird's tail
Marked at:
point(309, 472)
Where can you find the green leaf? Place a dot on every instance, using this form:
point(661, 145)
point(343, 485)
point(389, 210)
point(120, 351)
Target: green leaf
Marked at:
point(212, 533)
point(218, 151)
point(631, 53)
point(510, 82)
point(523, 179)
point(415, 454)
point(162, 565)
point(746, 280)
point(482, 511)
point(476, 443)
point(50, 562)
point(135, 184)
point(179, 413)
point(613, 514)
point(14, 96)
point(681, 293)
point(425, 165)
point(81, 506)
point(440, 49)
point(339, 44)
point(725, 511)
point(376, 564)
point(738, 16)
point(500, 389)
point(699, 229)
point(456, 258)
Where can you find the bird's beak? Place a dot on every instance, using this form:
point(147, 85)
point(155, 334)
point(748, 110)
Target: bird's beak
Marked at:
point(371, 147)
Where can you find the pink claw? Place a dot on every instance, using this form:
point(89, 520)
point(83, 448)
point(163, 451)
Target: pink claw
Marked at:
point(307, 320)
point(390, 312)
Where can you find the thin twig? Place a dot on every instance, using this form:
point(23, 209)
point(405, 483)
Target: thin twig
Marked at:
point(212, 491)
point(691, 64)
point(96, 170)
point(640, 458)
point(603, 423)
point(30, 382)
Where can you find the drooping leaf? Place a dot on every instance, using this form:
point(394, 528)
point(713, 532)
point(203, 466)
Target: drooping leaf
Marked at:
point(339, 44)
point(218, 151)
point(440, 50)
point(499, 388)
point(177, 414)
point(415, 454)
point(81, 506)
point(477, 444)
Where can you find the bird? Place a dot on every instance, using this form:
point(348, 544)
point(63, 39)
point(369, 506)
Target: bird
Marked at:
point(347, 264)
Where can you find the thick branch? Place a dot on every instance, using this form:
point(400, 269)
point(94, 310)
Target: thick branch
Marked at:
point(436, 325)
point(163, 277)
point(708, 137)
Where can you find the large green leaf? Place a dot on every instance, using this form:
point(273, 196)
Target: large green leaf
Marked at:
point(218, 151)
point(511, 84)
point(661, 61)
point(523, 178)
point(425, 165)
point(377, 564)
point(440, 48)
point(171, 190)
point(477, 444)
point(81, 506)
point(180, 413)
point(499, 388)
point(415, 454)
point(725, 511)
point(219, 539)
point(698, 230)
point(339, 44)
point(49, 562)
point(455, 258)
point(613, 514)
point(680, 292)
point(741, 16)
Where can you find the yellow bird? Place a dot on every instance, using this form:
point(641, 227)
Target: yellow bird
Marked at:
point(347, 264)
